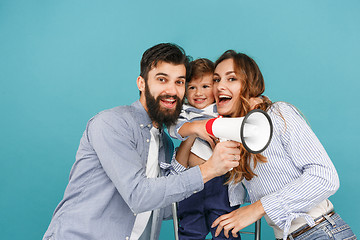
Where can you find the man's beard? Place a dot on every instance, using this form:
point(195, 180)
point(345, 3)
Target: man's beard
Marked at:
point(162, 116)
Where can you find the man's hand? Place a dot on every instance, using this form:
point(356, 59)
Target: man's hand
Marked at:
point(226, 156)
point(238, 219)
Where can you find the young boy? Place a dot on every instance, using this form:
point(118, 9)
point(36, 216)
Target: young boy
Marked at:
point(197, 213)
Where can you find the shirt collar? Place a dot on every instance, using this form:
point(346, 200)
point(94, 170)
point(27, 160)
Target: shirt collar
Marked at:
point(142, 116)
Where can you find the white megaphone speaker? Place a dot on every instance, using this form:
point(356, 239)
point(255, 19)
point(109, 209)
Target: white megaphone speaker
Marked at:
point(254, 130)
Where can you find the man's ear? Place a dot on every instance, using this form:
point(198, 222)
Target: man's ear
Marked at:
point(140, 81)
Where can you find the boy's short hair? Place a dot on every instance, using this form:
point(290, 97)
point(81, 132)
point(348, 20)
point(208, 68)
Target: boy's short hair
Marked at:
point(199, 68)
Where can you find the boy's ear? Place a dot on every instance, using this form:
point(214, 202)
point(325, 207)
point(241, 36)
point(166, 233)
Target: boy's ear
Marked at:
point(140, 81)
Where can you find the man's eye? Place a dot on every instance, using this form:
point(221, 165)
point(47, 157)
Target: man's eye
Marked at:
point(180, 82)
point(162, 79)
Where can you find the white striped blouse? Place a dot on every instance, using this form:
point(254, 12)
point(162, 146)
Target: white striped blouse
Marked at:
point(298, 174)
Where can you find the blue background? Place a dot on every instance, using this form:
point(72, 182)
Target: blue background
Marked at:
point(61, 62)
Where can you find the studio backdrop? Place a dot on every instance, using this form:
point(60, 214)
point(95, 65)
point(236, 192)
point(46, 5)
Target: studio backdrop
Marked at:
point(61, 62)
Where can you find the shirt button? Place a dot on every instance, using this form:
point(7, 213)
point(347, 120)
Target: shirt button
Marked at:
point(147, 140)
point(141, 125)
point(127, 238)
point(134, 214)
point(195, 192)
point(149, 125)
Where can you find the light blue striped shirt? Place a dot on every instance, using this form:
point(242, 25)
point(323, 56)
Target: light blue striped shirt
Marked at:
point(189, 114)
point(298, 174)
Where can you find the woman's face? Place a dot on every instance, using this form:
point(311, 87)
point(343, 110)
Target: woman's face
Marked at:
point(227, 86)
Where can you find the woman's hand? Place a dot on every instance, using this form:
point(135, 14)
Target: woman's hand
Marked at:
point(238, 219)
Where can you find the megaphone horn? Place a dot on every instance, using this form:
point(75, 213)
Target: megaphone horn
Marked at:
point(254, 130)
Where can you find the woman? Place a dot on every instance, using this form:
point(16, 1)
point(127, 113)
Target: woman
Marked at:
point(290, 182)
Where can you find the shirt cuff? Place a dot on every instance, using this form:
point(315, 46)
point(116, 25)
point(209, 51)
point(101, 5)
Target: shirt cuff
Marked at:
point(280, 213)
point(173, 168)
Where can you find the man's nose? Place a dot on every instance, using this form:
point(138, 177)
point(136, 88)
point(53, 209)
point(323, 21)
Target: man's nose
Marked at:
point(171, 89)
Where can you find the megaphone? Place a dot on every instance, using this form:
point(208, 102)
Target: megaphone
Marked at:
point(254, 130)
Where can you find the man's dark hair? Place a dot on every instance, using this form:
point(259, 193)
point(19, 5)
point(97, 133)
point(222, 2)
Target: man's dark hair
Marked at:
point(163, 52)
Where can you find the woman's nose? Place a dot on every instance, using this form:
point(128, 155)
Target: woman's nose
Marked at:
point(220, 85)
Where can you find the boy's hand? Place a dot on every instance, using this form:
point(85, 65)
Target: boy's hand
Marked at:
point(198, 129)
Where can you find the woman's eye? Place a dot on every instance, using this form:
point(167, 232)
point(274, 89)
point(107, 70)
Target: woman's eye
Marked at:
point(216, 80)
point(232, 79)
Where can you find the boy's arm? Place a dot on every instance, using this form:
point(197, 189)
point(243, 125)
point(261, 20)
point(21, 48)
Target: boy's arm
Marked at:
point(183, 152)
point(198, 129)
point(194, 160)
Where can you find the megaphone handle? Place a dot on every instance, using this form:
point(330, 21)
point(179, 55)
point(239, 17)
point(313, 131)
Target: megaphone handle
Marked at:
point(223, 140)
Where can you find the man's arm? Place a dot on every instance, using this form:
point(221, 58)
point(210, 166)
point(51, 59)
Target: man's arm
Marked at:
point(120, 159)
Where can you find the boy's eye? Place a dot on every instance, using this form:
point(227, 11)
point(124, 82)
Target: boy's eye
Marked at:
point(191, 88)
point(206, 86)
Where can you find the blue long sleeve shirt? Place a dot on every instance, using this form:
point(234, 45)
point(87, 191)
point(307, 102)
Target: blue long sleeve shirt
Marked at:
point(108, 185)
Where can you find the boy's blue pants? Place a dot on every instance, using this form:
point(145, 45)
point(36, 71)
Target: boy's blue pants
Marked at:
point(199, 211)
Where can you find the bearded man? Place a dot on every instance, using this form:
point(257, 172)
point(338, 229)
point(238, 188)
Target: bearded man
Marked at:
point(118, 186)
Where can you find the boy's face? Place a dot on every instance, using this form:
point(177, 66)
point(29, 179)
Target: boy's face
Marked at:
point(199, 92)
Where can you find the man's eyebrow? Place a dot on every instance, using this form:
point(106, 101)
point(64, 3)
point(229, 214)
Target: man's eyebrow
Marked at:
point(161, 74)
point(166, 75)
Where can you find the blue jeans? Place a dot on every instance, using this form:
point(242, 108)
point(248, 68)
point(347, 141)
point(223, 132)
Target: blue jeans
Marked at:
point(335, 229)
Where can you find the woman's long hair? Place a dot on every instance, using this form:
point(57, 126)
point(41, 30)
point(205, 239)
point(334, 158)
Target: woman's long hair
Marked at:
point(252, 85)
